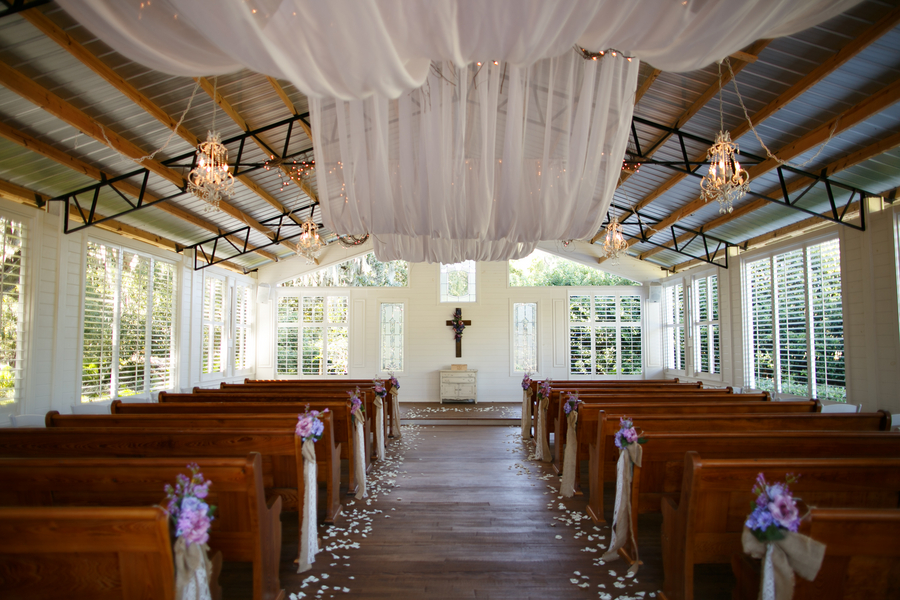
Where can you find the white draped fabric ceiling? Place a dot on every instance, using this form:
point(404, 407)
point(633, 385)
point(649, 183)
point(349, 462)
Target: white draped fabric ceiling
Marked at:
point(439, 159)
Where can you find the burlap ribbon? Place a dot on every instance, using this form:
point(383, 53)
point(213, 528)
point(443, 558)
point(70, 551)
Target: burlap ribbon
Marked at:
point(359, 454)
point(526, 413)
point(309, 543)
point(542, 444)
point(629, 456)
point(570, 460)
point(395, 418)
point(379, 427)
point(782, 558)
point(192, 571)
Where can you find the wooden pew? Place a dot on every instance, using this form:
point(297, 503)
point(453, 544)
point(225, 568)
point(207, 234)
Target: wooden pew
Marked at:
point(88, 553)
point(604, 454)
point(705, 525)
point(662, 467)
point(862, 557)
point(245, 528)
point(280, 450)
point(300, 400)
point(225, 414)
point(324, 384)
point(557, 401)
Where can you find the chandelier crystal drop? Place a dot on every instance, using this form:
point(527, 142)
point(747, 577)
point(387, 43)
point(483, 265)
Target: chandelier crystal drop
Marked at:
point(310, 243)
point(726, 182)
point(210, 180)
point(614, 245)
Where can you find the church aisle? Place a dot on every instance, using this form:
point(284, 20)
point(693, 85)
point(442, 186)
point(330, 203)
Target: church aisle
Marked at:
point(459, 512)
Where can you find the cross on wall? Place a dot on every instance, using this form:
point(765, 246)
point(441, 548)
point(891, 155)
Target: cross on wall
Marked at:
point(452, 323)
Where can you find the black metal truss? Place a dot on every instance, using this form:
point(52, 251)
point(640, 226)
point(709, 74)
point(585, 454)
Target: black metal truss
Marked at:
point(10, 8)
point(283, 227)
point(839, 209)
point(647, 227)
point(87, 207)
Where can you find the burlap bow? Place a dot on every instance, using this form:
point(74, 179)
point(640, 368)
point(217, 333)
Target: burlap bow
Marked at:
point(309, 543)
point(192, 571)
point(795, 553)
point(542, 445)
point(359, 455)
point(395, 410)
point(570, 460)
point(379, 427)
point(629, 456)
point(526, 413)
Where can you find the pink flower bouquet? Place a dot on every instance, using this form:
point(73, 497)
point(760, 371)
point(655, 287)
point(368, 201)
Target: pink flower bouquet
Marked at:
point(774, 511)
point(187, 509)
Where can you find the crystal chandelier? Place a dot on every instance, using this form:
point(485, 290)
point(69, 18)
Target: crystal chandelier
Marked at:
point(210, 180)
point(614, 245)
point(310, 243)
point(726, 181)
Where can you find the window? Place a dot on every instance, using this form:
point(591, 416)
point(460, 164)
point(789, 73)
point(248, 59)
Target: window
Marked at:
point(544, 269)
point(213, 324)
point(128, 336)
point(392, 336)
point(673, 310)
point(605, 335)
point(525, 337)
point(243, 306)
point(707, 360)
point(362, 271)
point(12, 243)
point(313, 335)
point(795, 330)
point(458, 282)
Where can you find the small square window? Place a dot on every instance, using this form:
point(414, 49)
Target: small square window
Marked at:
point(458, 282)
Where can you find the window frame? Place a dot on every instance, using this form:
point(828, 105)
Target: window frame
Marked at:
point(474, 272)
point(229, 367)
point(769, 255)
point(512, 336)
point(617, 292)
point(176, 292)
point(25, 312)
point(695, 323)
point(403, 353)
point(207, 353)
point(325, 293)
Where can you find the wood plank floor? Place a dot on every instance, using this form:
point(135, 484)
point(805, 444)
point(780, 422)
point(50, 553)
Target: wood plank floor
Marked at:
point(460, 512)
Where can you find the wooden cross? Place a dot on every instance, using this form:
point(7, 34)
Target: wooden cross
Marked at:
point(459, 341)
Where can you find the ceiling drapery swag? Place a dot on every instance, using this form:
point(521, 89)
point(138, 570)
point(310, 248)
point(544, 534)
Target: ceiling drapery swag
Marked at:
point(491, 153)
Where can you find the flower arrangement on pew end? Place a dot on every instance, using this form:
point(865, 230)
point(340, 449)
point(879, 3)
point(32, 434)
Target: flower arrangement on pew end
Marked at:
point(628, 434)
point(394, 383)
point(526, 381)
point(310, 426)
point(356, 403)
point(774, 511)
point(378, 385)
point(573, 403)
point(544, 389)
point(187, 508)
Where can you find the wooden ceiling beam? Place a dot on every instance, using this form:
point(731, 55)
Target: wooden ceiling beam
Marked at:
point(48, 151)
point(645, 85)
point(852, 159)
point(232, 112)
point(839, 58)
point(55, 33)
point(290, 105)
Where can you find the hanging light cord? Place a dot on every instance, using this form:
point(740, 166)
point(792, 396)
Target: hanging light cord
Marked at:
point(753, 129)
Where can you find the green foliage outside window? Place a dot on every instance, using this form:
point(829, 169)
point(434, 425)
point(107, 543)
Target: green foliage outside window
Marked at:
point(362, 271)
point(541, 269)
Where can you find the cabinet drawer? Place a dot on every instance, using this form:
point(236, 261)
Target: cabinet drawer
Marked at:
point(458, 378)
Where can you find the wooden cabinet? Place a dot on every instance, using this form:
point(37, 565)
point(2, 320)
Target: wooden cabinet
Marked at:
point(459, 385)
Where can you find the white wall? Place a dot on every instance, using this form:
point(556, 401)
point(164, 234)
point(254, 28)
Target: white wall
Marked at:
point(430, 346)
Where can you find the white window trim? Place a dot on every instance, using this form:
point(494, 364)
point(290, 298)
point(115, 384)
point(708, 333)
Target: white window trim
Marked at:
point(801, 243)
point(28, 299)
point(405, 303)
point(251, 326)
point(229, 371)
point(478, 291)
point(285, 292)
point(685, 318)
point(512, 336)
point(226, 319)
point(618, 292)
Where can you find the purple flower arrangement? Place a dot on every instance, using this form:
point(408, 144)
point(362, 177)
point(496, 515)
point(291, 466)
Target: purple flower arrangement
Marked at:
point(774, 511)
point(356, 403)
point(526, 381)
point(310, 426)
point(458, 324)
point(380, 390)
point(544, 389)
point(187, 509)
point(627, 434)
point(572, 403)
point(394, 382)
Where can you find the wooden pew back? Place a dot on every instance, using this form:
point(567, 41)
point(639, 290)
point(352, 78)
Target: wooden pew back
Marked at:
point(716, 494)
point(62, 552)
point(244, 530)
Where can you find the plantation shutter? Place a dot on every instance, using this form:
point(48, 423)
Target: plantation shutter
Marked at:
point(630, 338)
point(242, 307)
point(213, 325)
point(759, 298)
point(11, 310)
point(288, 348)
point(580, 340)
point(790, 323)
point(674, 320)
point(162, 329)
point(827, 320)
point(101, 309)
